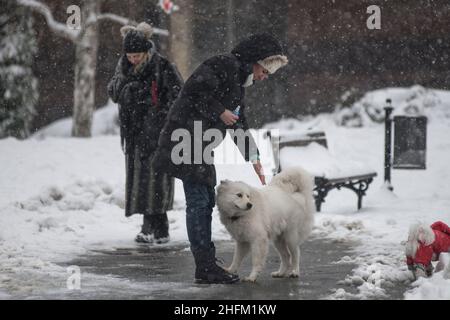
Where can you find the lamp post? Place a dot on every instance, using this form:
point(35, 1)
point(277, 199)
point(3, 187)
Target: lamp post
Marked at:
point(388, 144)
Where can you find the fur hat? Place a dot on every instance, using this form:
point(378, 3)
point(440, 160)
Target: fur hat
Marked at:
point(137, 39)
point(273, 63)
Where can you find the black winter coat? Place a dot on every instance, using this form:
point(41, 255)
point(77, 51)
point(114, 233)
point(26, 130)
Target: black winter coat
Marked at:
point(214, 86)
point(144, 99)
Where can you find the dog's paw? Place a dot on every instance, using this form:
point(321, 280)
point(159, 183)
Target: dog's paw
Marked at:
point(419, 273)
point(278, 274)
point(250, 279)
point(294, 274)
point(230, 270)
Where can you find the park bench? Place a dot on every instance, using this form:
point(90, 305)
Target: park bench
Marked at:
point(357, 182)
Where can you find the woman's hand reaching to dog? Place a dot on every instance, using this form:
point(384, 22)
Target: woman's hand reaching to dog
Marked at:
point(259, 171)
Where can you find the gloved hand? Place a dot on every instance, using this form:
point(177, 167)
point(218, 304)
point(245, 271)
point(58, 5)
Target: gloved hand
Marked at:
point(126, 95)
point(143, 93)
point(133, 86)
point(134, 92)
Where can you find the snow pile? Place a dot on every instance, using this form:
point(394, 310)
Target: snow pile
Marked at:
point(57, 199)
point(444, 265)
point(320, 162)
point(105, 122)
point(437, 287)
point(434, 288)
point(414, 101)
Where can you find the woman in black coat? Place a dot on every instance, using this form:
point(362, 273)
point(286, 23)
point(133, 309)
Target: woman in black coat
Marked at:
point(144, 85)
point(208, 99)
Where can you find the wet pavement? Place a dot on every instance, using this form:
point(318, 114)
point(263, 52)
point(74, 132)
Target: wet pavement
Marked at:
point(166, 272)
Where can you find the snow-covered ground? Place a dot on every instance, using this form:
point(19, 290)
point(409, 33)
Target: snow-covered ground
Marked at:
point(61, 197)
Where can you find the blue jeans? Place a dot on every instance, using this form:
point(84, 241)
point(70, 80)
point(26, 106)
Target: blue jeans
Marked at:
point(200, 201)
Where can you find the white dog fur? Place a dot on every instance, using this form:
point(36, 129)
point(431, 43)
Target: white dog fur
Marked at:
point(418, 232)
point(281, 212)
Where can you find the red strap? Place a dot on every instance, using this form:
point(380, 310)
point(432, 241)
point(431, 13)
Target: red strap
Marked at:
point(154, 93)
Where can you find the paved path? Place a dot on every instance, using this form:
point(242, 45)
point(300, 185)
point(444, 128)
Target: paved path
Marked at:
point(171, 266)
point(166, 272)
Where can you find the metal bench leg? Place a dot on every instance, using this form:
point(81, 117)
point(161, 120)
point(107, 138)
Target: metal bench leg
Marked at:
point(360, 196)
point(318, 204)
point(360, 190)
point(321, 193)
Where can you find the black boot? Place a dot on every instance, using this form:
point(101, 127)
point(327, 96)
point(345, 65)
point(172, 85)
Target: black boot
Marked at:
point(207, 271)
point(146, 234)
point(160, 227)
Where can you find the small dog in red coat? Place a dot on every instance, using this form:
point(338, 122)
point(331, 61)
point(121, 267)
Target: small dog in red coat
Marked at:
point(425, 244)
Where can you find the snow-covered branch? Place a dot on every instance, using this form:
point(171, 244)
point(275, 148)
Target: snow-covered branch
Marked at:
point(116, 18)
point(125, 21)
point(162, 32)
point(59, 28)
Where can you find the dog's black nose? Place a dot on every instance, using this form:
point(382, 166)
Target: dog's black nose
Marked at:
point(249, 205)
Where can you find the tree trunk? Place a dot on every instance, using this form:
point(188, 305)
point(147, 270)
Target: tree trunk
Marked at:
point(181, 42)
point(85, 66)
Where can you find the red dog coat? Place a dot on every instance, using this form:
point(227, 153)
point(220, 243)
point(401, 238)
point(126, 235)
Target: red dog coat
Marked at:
point(426, 253)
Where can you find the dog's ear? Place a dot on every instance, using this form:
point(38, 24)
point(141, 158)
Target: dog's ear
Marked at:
point(426, 235)
point(226, 181)
point(421, 234)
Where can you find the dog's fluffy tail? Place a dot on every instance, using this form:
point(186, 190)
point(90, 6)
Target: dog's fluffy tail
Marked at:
point(418, 233)
point(296, 180)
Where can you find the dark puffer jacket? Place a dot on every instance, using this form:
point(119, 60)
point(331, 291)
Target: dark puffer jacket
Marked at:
point(144, 99)
point(214, 86)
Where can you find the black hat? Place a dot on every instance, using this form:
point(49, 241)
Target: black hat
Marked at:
point(263, 49)
point(135, 41)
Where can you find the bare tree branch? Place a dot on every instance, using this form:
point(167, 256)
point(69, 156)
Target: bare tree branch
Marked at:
point(59, 28)
point(126, 21)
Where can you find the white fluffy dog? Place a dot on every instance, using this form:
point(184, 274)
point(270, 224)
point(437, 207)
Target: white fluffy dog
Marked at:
point(282, 212)
point(426, 244)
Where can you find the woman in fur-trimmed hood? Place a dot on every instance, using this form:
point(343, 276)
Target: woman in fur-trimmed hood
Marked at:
point(212, 93)
point(144, 85)
point(262, 49)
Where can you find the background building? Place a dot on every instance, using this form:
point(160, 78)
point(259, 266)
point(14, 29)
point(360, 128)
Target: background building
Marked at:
point(330, 48)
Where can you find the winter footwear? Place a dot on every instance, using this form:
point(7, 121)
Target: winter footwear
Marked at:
point(208, 272)
point(146, 234)
point(160, 227)
point(155, 229)
point(214, 274)
point(144, 238)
